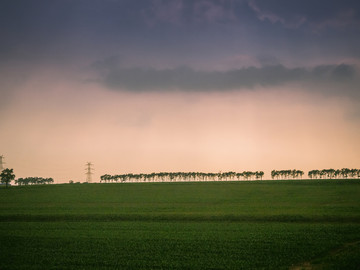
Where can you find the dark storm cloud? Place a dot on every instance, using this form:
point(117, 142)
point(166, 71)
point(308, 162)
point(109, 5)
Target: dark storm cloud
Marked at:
point(187, 79)
point(38, 29)
point(181, 12)
point(319, 14)
point(289, 13)
point(178, 32)
point(42, 20)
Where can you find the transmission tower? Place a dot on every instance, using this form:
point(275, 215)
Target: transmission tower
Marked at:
point(1, 163)
point(88, 172)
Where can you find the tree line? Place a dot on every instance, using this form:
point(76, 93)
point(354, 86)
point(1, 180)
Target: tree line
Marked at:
point(7, 176)
point(182, 176)
point(286, 174)
point(230, 176)
point(33, 181)
point(344, 173)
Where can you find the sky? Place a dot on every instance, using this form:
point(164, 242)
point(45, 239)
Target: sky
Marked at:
point(178, 85)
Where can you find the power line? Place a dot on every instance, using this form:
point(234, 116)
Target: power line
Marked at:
point(88, 171)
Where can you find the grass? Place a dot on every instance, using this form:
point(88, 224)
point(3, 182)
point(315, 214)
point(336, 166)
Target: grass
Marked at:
point(227, 225)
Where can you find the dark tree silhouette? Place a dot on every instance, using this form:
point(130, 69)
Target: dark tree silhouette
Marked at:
point(33, 181)
point(7, 175)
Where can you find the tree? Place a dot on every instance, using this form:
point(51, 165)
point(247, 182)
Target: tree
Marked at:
point(259, 174)
point(7, 175)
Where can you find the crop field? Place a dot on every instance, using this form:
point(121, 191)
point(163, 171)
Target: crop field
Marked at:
point(302, 224)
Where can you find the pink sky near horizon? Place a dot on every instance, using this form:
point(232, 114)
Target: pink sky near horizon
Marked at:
point(53, 126)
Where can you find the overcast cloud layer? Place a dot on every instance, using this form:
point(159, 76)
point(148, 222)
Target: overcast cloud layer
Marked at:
point(201, 34)
point(178, 44)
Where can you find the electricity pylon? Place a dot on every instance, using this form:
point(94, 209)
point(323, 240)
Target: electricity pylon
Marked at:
point(1, 163)
point(88, 172)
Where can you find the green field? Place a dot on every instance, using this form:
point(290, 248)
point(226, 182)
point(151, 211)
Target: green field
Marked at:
point(305, 224)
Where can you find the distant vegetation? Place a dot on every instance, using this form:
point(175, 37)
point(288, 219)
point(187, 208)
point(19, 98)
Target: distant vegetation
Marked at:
point(331, 173)
point(343, 173)
point(286, 174)
point(182, 176)
point(6, 176)
point(230, 176)
point(33, 181)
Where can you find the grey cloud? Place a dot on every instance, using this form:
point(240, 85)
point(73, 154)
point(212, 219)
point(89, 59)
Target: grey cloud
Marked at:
point(109, 63)
point(267, 60)
point(344, 18)
point(170, 11)
point(187, 79)
point(317, 15)
point(180, 12)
